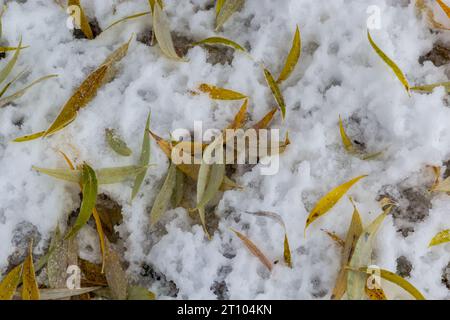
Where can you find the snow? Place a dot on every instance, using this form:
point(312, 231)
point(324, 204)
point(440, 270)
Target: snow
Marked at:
point(339, 74)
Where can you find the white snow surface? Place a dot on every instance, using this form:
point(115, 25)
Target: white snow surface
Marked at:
point(339, 74)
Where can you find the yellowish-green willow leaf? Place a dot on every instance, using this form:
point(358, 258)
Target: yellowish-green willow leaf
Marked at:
point(266, 120)
point(152, 3)
point(275, 91)
point(87, 90)
point(348, 145)
point(254, 250)
point(164, 196)
point(116, 143)
point(9, 283)
point(131, 17)
point(178, 193)
point(361, 257)
point(430, 87)
point(219, 5)
point(104, 175)
point(62, 293)
point(4, 73)
point(115, 275)
point(375, 294)
point(226, 11)
point(89, 188)
point(333, 236)
point(29, 137)
point(292, 58)
point(399, 281)
point(444, 7)
point(30, 289)
point(220, 93)
point(161, 27)
point(6, 49)
point(143, 160)
point(329, 200)
point(440, 238)
point(140, 293)
point(7, 100)
point(84, 22)
point(398, 72)
point(442, 186)
point(240, 117)
point(221, 41)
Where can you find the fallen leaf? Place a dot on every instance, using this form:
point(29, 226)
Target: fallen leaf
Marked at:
point(84, 22)
point(254, 250)
point(240, 118)
point(9, 283)
point(348, 144)
point(266, 120)
point(333, 236)
point(226, 11)
point(30, 290)
point(143, 160)
point(116, 143)
point(430, 87)
point(444, 7)
point(220, 93)
point(164, 196)
point(292, 58)
point(440, 238)
point(275, 91)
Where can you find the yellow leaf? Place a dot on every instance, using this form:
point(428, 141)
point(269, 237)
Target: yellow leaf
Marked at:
point(226, 11)
point(222, 41)
point(219, 5)
point(430, 87)
point(9, 283)
point(29, 137)
point(266, 120)
point(275, 91)
point(164, 196)
point(444, 7)
point(329, 200)
point(30, 290)
point(85, 27)
point(152, 3)
point(398, 72)
point(333, 236)
point(292, 58)
point(161, 27)
point(133, 16)
point(440, 238)
point(375, 294)
point(240, 118)
point(422, 6)
point(348, 145)
point(254, 250)
point(220, 93)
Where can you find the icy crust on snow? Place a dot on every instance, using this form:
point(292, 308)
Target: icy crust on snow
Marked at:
point(339, 74)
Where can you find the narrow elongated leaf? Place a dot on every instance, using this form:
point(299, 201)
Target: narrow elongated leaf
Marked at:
point(240, 118)
point(29, 137)
point(9, 283)
point(115, 275)
point(375, 294)
point(143, 160)
point(84, 22)
point(89, 188)
point(4, 73)
point(152, 3)
point(348, 144)
point(58, 294)
point(116, 143)
point(226, 11)
point(30, 290)
point(164, 196)
point(254, 250)
point(362, 257)
point(131, 17)
point(161, 27)
point(444, 7)
point(220, 93)
point(60, 257)
point(219, 5)
point(430, 87)
point(221, 41)
point(140, 293)
point(266, 120)
point(178, 193)
point(7, 100)
point(398, 72)
point(6, 49)
point(440, 238)
point(330, 199)
point(442, 186)
point(292, 58)
point(87, 90)
point(399, 281)
point(275, 91)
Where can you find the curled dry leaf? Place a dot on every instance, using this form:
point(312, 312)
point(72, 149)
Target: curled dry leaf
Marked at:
point(275, 91)
point(330, 199)
point(164, 196)
point(423, 7)
point(226, 10)
point(240, 118)
point(220, 93)
point(9, 283)
point(442, 186)
point(440, 238)
point(143, 160)
point(254, 250)
point(152, 3)
point(333, 236)
point(398, 72)
point(292, 58)
point(116, 143)
point(84, 22)
point(30, 289)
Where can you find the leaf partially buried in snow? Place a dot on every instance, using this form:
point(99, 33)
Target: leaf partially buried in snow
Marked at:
point(104, 176)
point(353, 233)
point(164, 196)
point(58, 294)
point(178, 193)
point(275, 91)
point(140, 293)
point(266, 120)
point(254, 250)
point(220, 93)
point(329, 200)
point(9, 283)
point(131, 17)
point(219, 5)
point(442, 186)
point(444, 7)
point(375, 294)
point(87, 90)
point(398, 72)
point(161, 27)
point(4, 73)
point(30, 290)
point(428, 88)
point(292, 58)
point(83, 20)
point(116, 143)
point(221, 41)
point(115, 275)
point(286, 248)
point(348, 144)
point(89, 188)
point(361, 257)
point(226, 11)
point(143, 160)
point(440, 238)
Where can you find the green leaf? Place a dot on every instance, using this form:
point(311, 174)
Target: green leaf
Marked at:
point(226, 11)
point(221, 41)
point(152, 3)
point(219, 5)
point(116, 143)
point(4, 73)
point(398, 72)
point(440, 238)
point(144, 159)
point(89, 189)
point(84, 22)
point(164, 196)
point(292, 58)
point(254, 250)
point(275, 91)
